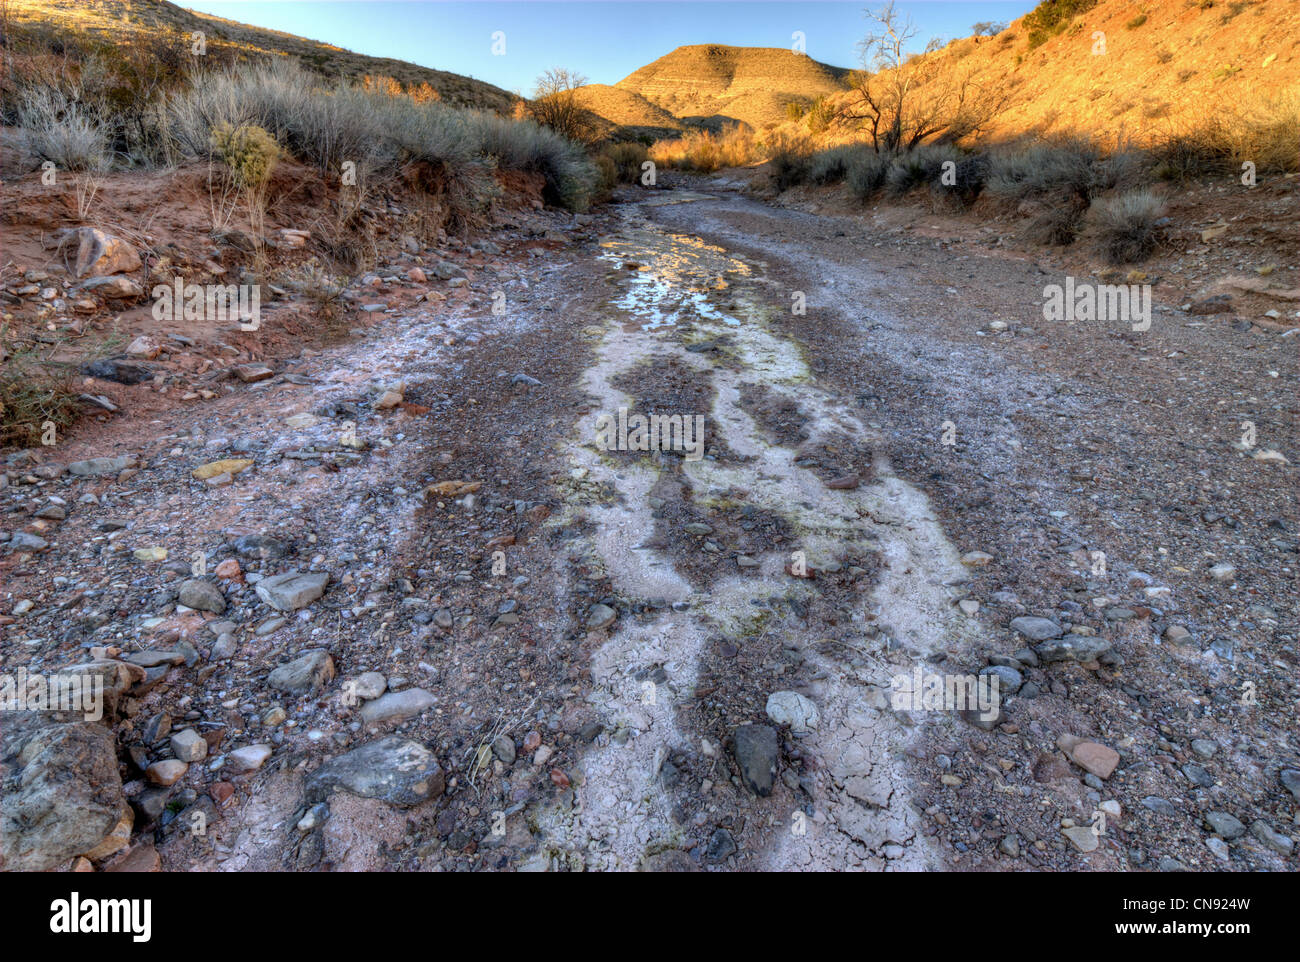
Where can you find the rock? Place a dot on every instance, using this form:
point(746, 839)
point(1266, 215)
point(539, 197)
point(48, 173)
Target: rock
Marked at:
point(976, 559)
point(1223, 571)
point(1081, 837)
point(792, 709)
point(847, 482)
point(1224, 825)
point(721, 846)
point(292, 590)
point(119, 372)
point(1010, 845)
point(223, 648)
point(153, 658)
point(248, 759)
point(52, 512)
point(985, 719)
point(118, 839)
point(60, 790)
point(367, 686)
point(1095, 758)
point(757, 751)
point(143, 858)
point(600, 616)
point(22, 541)
point(443, 618)
point(169, 771)
point(1290, 778)
point(189, 746)
point(307, 673)
point(97, 466)
point(99, 253)
point(672, 860)
point(1036, 629)
point(252, 373)
point(1204, 748)
point(1275, 840)
point(1073, 648)
point(397, 706)
point(1219, 848)
point(214, 468)
point(260, 546)
point(389, 399)
point(1180, 636)
point(202, 596)
point(395, 770)
point(503, 746)
point(114, 287)
point(229, 570)
point(416, 276)
point(143, 347)
point(525, 380)
point(154, 553)
point(1218, 304)
point(1161, 806)
point(1009, 679)
point(969, 606)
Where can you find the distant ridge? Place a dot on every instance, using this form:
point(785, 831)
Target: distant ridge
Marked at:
point(711, 84)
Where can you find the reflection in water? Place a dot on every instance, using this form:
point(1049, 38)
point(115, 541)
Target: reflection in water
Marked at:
point(676, 276)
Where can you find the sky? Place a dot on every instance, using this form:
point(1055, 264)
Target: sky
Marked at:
point(603, 40)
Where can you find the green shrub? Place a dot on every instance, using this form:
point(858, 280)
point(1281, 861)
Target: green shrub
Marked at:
point(248, 151)
point(1052, 17)
point(1136, 22)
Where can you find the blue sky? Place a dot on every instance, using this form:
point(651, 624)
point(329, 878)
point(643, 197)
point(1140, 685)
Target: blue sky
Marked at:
point(603, 40)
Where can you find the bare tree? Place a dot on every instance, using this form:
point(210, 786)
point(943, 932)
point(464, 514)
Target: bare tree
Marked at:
point(906, 98)
point(556, 104)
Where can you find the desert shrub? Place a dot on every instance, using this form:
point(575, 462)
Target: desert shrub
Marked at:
point(248, 151)
point(627, 158)
point(1226, 136)
point(820, 115)
point(1136, 22)
point(1125, 227)
point(831, 166)
point(57, 128)
point(705, 151)
point(447, 152)
point(323, 291)
point(969, 176)
point(606, 176)
point(866, 173)
point(1067, 167)
point(789, 159)
point(1059, 223)
point(34, 392)
point(570, 176)
point(916, 168)
point(1052, 17)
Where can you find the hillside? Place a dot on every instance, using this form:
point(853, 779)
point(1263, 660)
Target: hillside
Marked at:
point(710, 84)
point(628, 110)
point(1164, 66)
point(117, 21)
